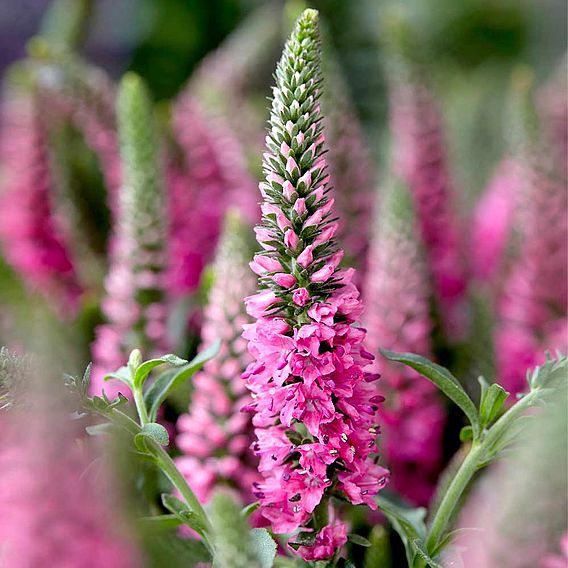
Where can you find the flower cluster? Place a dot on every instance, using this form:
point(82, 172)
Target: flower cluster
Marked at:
point(315, 407)
point(210, 171)
point(492, 221)
point(135, 304)
point(398, 317)
point(35, 240)
point(533, 306)
point(420, 159)
point(214, 436)
point(52, 512)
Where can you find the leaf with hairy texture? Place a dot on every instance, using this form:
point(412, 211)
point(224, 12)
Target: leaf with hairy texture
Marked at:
point(264, 546)
point(443, 379)
point(156, 432)
point(173, 378)
point(179, 509)
point(145, 368)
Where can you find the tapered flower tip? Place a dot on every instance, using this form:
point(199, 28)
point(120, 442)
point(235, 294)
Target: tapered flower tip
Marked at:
point(133, 97)
point(522, 119)
point(308, 19)
point(306, 27)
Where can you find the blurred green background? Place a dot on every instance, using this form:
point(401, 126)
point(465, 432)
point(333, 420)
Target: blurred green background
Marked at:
point(472, 46)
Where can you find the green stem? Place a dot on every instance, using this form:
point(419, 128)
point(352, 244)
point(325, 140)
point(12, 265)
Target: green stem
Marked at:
point(140, 406)
point(167, 465)
point(478, 456)
point(451, 499)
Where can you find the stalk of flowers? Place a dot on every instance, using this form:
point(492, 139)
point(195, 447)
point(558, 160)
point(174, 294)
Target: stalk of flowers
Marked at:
point(315, 407)
point(86, 96)
point(492, 222)
point(350, 168)
point(420, 159)
point(226, 80)
point(34, 239)
point(214, 436)
point(52, 512)
point(397, 293)
point(210, 176)
point(551, 101)
point(533, 298)
point(134, 305)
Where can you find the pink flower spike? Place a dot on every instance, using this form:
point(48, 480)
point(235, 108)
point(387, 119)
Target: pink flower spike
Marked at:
point(308, 376)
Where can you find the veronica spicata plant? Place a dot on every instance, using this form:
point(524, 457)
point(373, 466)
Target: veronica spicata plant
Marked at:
point(135, 306)
point(397, 293)
point(490, 432)
point(315, 407)
point(215, 436)
point(34, 238)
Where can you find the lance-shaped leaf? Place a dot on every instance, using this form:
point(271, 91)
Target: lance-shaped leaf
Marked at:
point(170, 380)
point(443, 379)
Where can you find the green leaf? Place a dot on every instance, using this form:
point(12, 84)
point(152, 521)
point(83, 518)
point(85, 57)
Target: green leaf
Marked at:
point(420, 552)
point(250, 509)
point(552, 374)
point(145, 368)
point(165, 549)
point(493, 398)
point(160, 523)
point(359, 540)
point(170, 380)
point(264, 547)
point(379, 554)
point(443, 379)
point(86, 380)
point(466, 434)
point(407, 522)
point(181, 511)
point(101, 429)
point(122, 374)
point(232, 538)
point(156, 432)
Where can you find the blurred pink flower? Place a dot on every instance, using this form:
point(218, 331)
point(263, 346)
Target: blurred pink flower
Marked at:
point(34, 239)
point(215, 436)
point(52, 513)
point(420, 159)
point(398, 318)
point(210, 176)
point(493, 221)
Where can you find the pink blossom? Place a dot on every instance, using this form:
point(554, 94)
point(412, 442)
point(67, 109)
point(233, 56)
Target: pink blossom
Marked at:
point(398, 318)
point(314, 411)
point(300, 296)
point(328, 540)
point(34, 239)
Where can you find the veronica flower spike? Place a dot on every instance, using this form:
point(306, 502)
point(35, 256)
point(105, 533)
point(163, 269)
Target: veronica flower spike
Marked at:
point(134, 306)
point(314, 405)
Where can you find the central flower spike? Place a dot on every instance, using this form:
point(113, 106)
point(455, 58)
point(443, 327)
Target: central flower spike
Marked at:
point(315, 408)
